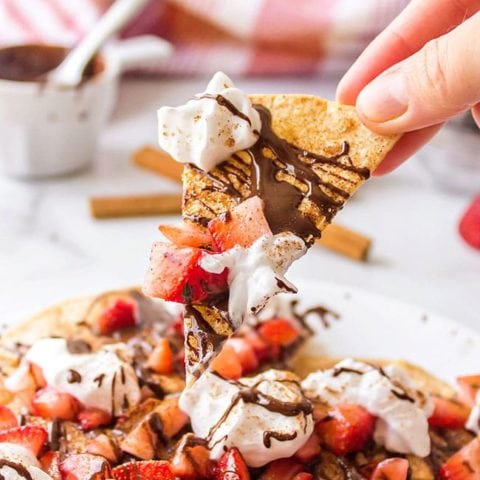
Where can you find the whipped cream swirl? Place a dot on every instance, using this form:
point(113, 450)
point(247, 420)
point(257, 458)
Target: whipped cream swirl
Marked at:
point(402, 411)
point(208, 129)
point(100, 379)
point(256, 273)
point(16, 460)
point(266, 417)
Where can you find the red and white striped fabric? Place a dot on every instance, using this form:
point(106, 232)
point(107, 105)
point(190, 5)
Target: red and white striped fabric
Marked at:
point(238, 36)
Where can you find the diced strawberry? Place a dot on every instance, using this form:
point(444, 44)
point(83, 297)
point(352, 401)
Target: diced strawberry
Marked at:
point(346, 429)
point(245, 353)
point(7, 418)
point(187, 234)
point(92, 417)
point(283, 469)
point(173, 419)
point(303, 476)
point(139, 442)
point(191, 459)
point(468, 385)
point(244, 224)
point(104, 446)
point(309, 451)
point(259, 345)
point(50, 403)
point(391, 469)
point(175, 275)
point(232, 466)
point(279, 331)
point(227, 364)
point(49, 462)
point(463, 465)
point(469, 226)
point(448, 413)
point(122, 314)
point(161, 358)
point(28, 436)
point(84, 465)
point(146, 470)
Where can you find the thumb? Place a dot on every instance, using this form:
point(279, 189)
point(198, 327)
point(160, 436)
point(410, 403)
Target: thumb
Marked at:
point(436, 83)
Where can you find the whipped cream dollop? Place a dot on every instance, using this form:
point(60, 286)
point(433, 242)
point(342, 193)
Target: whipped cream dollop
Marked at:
point(402, 411)
point(473, 422)
point(208, 129)
point(100, 379)
point(256, 273)
point(266, 417)
point(15, 459)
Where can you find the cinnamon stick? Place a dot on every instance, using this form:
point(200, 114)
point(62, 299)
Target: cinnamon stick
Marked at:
point(345, 241)
point(156, 161)
point(135, 205)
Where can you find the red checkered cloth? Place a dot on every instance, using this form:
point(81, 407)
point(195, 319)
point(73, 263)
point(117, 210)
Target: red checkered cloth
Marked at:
point(237, 36)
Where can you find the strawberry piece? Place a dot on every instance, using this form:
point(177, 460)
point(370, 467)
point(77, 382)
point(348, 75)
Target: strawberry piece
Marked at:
point(448, 413)
point(346, 429)
point(37, 374)
point(7, 418)
point(463, 465)
point(245, 353)
point(469, 226)
point(232, 466)
point(84, 465)
point(391, 469)
point(468, 385)
point(161, 358)
point(139, 442)
point(146, 470)
point(309, 451)
point(122, 314)
point(279, 331)
point(187, 234)
point(191, 459)
point(28, 436)
point(49, 462)
point(303, 476)
point(283, 469)
point(104, 446)
point(49, 403)
point(244, 224)
point(92, 417)
point(175, 275)
point(227, 364)
point(173, 419)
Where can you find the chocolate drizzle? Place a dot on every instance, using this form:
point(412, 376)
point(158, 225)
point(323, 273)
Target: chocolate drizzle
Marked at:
point(223, 102)
point(281, 437)
point(73, 376)
point(19, 469)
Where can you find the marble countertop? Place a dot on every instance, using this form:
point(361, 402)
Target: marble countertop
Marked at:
point(50, 247)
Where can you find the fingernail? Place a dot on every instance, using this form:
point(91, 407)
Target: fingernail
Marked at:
point(385, 98)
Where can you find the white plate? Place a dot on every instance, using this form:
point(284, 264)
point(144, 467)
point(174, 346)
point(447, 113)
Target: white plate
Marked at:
point(371, 325)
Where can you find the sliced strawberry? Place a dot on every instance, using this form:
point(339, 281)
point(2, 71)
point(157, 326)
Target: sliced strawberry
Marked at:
point(85, 466)
point(7, 418)
point(122, 314)
point(465, 464)
point(28, 436)
point(175, 275)
point(187, 234)
point(244, 224)
point(191, 459)
point(468, 386)
point(263, 350)
point(146, 470)
point(50, 403)
point(469, 226)
point(279, 331)
point(104, 446)
point(50, 462)
point(232, 466)
point(391, 469)
point(92, 417)
point(346, 429)
point(227, 363)
point(448, 413)
point(283, 469)
point(309, 451)
point(303, 476)
point(161, 358)
point(245, 353)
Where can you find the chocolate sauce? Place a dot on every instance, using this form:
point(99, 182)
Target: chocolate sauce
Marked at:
point(73, 376)
point(339, 370)
point(99, 379)
point(223, 102)
point(76, 345)
point(31, 63)
point(281, 437)
point(323, 313)
point(19, 468)
point(402, 395)
point(55, 434)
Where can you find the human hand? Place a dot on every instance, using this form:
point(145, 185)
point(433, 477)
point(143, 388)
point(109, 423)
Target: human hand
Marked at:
point(422, 70)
